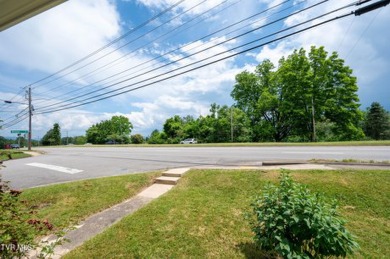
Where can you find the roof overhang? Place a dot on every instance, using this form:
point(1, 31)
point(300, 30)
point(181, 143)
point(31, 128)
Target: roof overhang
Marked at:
point(15, 11)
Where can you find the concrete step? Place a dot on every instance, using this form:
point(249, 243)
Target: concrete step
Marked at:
point(176, 172)
point(167, 180)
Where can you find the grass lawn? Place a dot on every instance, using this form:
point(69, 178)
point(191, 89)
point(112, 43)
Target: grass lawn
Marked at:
point(67, 204)
point(203, 215)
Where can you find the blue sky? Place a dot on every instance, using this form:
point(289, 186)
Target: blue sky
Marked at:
point(51, 41)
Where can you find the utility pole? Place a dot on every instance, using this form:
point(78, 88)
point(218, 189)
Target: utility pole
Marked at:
point(30, 109)
point(231, 122)
point(314, 136)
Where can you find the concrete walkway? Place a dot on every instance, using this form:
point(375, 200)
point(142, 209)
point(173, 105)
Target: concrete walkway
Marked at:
point(97, 223)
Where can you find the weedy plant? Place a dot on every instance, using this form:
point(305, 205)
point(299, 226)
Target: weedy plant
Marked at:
point(296, 223)
point(19, 227)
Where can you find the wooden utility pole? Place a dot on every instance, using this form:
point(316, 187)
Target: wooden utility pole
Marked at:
point(30, 109)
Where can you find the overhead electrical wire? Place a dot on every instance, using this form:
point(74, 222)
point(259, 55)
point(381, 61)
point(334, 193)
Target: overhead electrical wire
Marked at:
point(15, 115)
point(197, 46)
point(188, 56)
point(4, 104)
point(114, 93)
point(179, 48)
point(14, 121)
point(125, 44)
point(363, 32)
point(138, 48)
point(111, 43)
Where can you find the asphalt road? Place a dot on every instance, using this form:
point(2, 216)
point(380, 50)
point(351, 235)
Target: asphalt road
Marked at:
point(76, 163)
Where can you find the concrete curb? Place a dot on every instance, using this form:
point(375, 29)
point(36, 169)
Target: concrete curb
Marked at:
point(283, 162)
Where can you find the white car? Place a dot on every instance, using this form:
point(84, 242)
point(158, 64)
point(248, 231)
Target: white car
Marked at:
point(189, 141)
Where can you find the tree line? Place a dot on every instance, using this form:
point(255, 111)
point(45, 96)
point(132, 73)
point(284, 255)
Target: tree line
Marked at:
point(309, 96)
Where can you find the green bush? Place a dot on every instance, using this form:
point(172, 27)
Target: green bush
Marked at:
point(137, 139)
point(296, 223)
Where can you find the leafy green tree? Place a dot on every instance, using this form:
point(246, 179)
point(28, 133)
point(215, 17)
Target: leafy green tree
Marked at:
point(3, 141)
point(377, 122)
point(174, 129)
point(247, 92)
point(303, 91)
point(222, 123)
point(240, 124)
point(137, 139)
point(178, 128)
point(56, 134)
point(157, 137)
point(52, 136)
point(206, 129)
point(117, 129)
point(79, 140)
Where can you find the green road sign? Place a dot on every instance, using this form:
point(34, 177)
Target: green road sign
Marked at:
point(19, 131)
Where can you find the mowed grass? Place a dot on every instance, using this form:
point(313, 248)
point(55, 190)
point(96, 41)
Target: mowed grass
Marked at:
point(67, 204)
point(203, 216)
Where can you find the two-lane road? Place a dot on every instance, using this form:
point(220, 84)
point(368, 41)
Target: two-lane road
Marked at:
point(76, 163)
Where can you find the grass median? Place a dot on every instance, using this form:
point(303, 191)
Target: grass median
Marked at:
point(203, 215)
point(12, 154)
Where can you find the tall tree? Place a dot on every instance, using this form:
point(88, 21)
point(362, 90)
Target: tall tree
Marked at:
point(52, 136)
point(222, 123)
point(157, 137)
point(377, 122)
point(174, 128)
point(302, 91)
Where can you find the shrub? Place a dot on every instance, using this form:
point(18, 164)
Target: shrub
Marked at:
point(137, 139)
point(296, 223)
point(18, 226)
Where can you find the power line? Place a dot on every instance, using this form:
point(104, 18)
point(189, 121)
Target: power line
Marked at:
point(363, 32)
point(179, 48)
point(14, 121)
point(186, 57)
point(110, 43)
point(133, 40)
point(211, 62)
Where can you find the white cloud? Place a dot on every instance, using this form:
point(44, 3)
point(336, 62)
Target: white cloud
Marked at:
point(185, 5)
point(361, 43)
point(60, 36)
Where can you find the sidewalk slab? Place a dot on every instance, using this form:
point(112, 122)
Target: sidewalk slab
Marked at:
point(96, 224)
point(155, 191)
